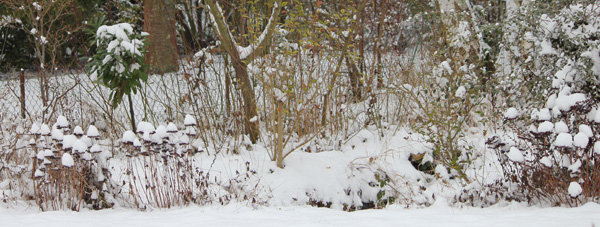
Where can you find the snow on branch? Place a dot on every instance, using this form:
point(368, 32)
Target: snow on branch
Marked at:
point(244, 53)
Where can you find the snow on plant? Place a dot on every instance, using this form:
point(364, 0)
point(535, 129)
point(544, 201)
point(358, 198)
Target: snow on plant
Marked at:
point(559, 165)
point(119, 61)
point(69, 170)
point(448, 92)
point(161, 172)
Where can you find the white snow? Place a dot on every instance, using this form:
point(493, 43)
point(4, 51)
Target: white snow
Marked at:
point(171, 127)
point(56, 134)
point(92, 132)
point(564, 140)
point(254, 119)
point(79, 146)
point(68, 141)
point(67, 160)
point(545, 127)
point(189, 120)
point(460, 92)
point(62, 122)
point(128, 137)
point(511, 113)
point(597, 147)
point(95, 148)
point(145, 127)
point(587, 130)
point(575, 189)
point(38, 173)
point(243, 215)
point(78, 131)
point(515, 155)
point(546, 161)
point(137, 143)
point(35, 129)
point(544, 114)
point(86, 156)
point(279, 95)
point(580, 140)
point(575, 166)
point(161, 132)
point(44, 130)
point(560, 127)
point(566, 102)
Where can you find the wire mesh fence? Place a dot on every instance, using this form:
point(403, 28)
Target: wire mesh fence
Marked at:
point(42, 98)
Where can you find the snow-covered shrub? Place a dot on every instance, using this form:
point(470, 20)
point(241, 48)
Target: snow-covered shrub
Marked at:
point(161, 171)
point(68, 167)
point(554, 156)
point(448, 91)
point(119, 61)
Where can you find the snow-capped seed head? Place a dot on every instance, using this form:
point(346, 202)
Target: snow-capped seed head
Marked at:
point(38, 173)
point(544, 115)
point(41, 155)
point(171, 128)
point(191, 132)
point(515, 155)
point(68, 141)
point(128, 137)
point(189, 120)
point(563, 140)
point(561, 126)
point(78, 131)
point(79, 146)
point(586, 129)
point(532, 129)
point(574, 168)
point(580, 140)
point(62, 122)
point(96, 148)
point(67, 160)
point(161, 132)
point(45, 130)
point(184, 140)
point(92, 132)
point(35, 129)
point(574, 189)
point(86, 156)
point(545, 127)
point(32, 142)
point(146, 137)
point(546, 161)
point(511, 113)
point(137, 143)
point(145, 127)
point(57, 135)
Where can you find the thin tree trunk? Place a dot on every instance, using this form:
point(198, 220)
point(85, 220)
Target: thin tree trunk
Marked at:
point(131, 113)
point(250, 111)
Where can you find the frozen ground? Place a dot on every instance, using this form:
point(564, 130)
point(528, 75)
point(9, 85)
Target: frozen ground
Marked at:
point(241, 215)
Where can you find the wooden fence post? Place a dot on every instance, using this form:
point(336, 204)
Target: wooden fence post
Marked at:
point(22, 80)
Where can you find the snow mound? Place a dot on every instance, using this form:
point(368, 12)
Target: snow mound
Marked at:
point(575, 189)
point(511, 113)
point(564, 140)
point(545, 127)
point(580, 140)
point(515, 155)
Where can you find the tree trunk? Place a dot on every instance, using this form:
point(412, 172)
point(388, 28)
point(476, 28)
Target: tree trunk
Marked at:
point(241, 69)
point(241, 73)
point(159, 22)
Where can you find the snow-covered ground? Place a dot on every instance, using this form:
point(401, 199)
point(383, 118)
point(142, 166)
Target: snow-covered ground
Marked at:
point(241, 215)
